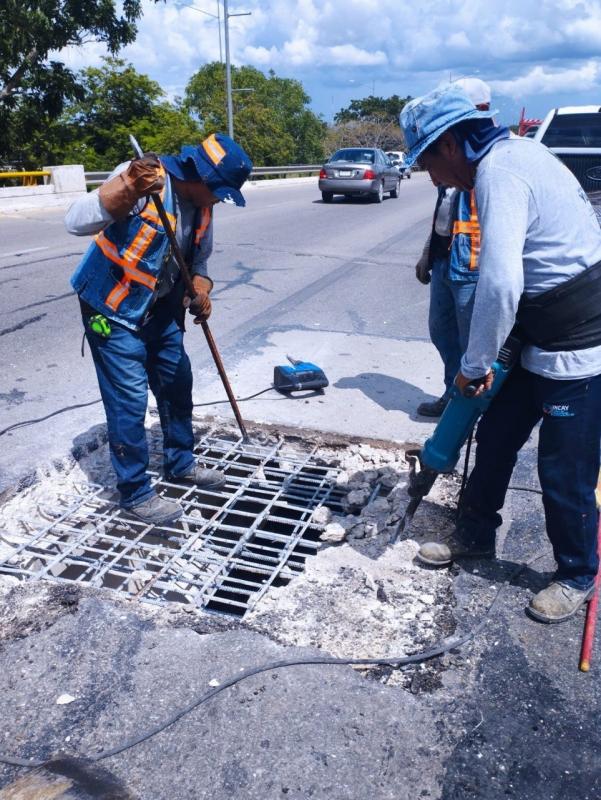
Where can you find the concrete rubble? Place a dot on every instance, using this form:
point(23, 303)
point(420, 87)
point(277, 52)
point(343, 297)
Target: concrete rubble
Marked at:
point(357, 597)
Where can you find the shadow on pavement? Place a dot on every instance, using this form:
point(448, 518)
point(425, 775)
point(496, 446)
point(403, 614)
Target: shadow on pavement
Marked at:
point(391, 394)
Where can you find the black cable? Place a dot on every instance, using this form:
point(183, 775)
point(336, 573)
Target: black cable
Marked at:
point(238, 399)
point(425, 655)
point(464, 478)
point(26, 422)
point(466, 463)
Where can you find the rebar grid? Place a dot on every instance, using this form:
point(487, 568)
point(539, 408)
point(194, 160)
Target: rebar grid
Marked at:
point(229, 546)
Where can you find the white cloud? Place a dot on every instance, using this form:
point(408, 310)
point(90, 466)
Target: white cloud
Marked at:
point(522, 47)
point(458, 39)
point(350, 55)
point(539, 80)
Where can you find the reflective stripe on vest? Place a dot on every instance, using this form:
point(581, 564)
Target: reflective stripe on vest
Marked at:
point(131, 257)
point(205, 220)
point(470, 228)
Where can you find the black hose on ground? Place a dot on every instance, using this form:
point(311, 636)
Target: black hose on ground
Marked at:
point(395, 662)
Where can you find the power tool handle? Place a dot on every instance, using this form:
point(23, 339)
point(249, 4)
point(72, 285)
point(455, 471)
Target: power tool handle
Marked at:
point(472, 387)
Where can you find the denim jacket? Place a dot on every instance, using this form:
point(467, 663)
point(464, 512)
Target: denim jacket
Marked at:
point(119, 274)
point(464, 246)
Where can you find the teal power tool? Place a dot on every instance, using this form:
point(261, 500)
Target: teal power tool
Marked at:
point(441, 451)
point(300, 376)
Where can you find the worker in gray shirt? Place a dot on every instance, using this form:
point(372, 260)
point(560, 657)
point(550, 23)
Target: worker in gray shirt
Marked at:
point(132, 303)
point(540, 267)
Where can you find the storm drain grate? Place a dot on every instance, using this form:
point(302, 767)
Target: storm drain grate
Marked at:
point(230, 545)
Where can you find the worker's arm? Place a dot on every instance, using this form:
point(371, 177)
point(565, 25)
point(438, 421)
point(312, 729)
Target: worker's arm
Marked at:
point(504, 202)
point(87, 216)
point(200, 306)
point(124, 192)
point(202, 253)
point(423, 266)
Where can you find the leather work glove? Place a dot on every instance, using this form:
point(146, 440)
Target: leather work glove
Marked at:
point(423, 268)
point(121, 193)
point(200, 306)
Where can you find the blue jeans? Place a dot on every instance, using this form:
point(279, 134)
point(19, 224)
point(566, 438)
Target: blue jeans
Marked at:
point(568, 466)
point(126, 364)
point(451, 304)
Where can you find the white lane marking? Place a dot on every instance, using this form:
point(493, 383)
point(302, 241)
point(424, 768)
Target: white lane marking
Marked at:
point(23, 252)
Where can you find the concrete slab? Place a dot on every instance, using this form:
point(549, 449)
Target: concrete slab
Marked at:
point(375, 387)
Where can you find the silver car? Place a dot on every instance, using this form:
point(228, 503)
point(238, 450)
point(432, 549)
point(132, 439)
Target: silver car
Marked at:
point(359, 170)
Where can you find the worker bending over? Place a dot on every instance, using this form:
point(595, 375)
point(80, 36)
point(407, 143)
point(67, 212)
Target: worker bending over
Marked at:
point(540, 266)
point(133, 302)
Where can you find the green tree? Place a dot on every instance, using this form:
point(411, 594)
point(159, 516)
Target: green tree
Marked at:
point(369, 122)
point(272, 121)
point(382, 133)
point(115, 100)
point(371, 107)
point(32, 83)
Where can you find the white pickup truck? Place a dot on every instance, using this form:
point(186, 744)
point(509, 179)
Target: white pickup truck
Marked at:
point(573, 133)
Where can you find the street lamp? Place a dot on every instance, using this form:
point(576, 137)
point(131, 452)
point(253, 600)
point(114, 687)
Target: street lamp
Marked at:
point(228, 73)
point(216, 16)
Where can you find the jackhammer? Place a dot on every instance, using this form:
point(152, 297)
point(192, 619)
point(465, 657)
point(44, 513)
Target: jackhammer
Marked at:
point(441, 451)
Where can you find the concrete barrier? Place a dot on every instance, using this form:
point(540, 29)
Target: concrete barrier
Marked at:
point(65, 184)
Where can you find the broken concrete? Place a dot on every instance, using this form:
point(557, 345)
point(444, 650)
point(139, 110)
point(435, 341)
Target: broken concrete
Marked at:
point(507, 716)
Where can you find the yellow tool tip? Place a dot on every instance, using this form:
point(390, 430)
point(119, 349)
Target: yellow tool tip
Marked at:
point(585, 666)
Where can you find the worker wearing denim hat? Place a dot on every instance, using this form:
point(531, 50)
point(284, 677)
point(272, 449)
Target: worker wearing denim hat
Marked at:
point(540, 266)
point(449, 263)
point(132, 300)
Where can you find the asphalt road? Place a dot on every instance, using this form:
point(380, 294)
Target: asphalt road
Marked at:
point(330, 283)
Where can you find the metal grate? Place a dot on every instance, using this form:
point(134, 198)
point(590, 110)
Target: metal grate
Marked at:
point(229, 546)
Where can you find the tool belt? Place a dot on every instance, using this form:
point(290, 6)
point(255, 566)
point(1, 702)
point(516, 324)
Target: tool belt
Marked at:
point(566, 317)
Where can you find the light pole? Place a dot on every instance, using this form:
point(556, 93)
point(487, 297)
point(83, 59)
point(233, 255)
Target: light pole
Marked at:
point(228, 72)
point(216, 16)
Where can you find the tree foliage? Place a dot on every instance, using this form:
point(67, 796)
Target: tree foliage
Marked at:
point(114, 101)
point(387, 108)
point(381, 133)
point(369, 122)
point(34, 84)
point(272, 121)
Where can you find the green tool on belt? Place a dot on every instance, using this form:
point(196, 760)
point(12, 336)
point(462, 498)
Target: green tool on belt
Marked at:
point(100, 325)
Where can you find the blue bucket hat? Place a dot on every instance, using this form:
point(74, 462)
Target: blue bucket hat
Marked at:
point(426, 118)
point(218, 162)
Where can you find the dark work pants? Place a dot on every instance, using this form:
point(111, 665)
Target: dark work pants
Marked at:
point(568, 466)
point(127, 362)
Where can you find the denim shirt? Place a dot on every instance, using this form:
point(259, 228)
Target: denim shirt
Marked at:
point(119, 274)
point(462, 264)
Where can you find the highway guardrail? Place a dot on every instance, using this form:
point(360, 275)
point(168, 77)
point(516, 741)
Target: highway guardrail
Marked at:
point(96, 178)
point(27, 178)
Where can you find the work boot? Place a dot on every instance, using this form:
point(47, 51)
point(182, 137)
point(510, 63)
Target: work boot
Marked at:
point(558, 602)
point(203, 477)
point(441, 554)
point(433, 408)
point(156, 510)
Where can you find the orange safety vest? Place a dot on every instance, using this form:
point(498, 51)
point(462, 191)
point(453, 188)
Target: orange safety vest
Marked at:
point(118, 274)
point(467, 225)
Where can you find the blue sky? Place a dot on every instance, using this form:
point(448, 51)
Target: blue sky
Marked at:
point(534, 53)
